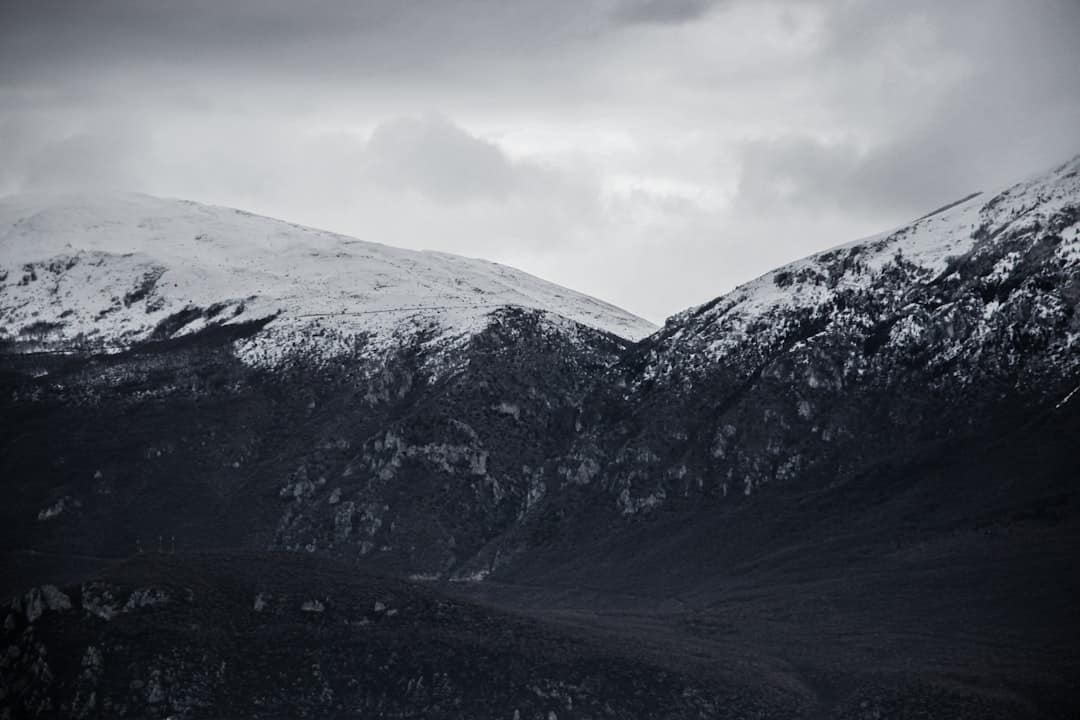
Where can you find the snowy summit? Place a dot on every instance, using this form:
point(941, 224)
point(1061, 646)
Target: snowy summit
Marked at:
point(104, 271)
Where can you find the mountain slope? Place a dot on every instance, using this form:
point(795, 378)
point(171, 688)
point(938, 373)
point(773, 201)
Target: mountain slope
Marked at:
point(941, 329)
point(986, 246)
point(232, 380)
point(106, 271)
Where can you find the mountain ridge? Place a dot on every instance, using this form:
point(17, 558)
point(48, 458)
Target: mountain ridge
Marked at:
point(970, 302)
point(828, 493)
point(121, 268)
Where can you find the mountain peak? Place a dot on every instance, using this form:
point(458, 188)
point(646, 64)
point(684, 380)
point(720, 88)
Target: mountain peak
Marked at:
point(923, 251)
point(109, 269)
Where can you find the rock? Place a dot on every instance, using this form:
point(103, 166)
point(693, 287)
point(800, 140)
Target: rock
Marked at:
point(35, 605)
point(343, 521)
point(53, 510)
point(92, 659)
point(312, 606)
point(509, 408)
point(55, 599)
point(146, 597)
point(98, 599)
point(155, 693)
point(478, 463)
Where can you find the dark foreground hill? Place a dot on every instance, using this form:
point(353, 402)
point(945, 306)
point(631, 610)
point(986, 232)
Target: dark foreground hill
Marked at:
point(284, 635)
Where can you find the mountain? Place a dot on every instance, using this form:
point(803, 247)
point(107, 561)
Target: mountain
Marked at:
point(103, 272)
point(195, 363)
point(844, 489)
point(936, 331)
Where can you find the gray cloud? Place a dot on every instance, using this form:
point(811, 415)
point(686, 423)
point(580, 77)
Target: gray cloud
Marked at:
point(985, 103)
point(107, 161)
point(660, 11)
point(44, 154)
point(432, 156)
point(652, 153)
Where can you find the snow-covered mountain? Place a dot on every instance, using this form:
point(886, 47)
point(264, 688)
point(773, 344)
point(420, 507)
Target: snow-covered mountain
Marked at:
point(1022, 231)
point(943, 321)
point(106, 271)
point(843, 481)
point(934, 331)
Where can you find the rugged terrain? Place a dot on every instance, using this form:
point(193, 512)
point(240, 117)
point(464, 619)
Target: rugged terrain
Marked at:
point(845, 489)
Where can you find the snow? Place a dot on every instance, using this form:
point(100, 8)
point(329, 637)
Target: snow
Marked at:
point(1004, 267)
point(927, 244)
point(106, 269)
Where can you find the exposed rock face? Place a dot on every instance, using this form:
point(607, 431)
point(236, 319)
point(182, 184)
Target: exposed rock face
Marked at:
point(98, 600)
point(54, 599)
point(146, 597)
point(312, 606)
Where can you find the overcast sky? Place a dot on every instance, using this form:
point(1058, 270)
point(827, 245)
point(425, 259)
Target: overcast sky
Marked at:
point(652, 153)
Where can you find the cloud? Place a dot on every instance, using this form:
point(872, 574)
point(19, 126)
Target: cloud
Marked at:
point(41, 154)
point(102, 161)
point(928, 103)
point(661, 12)
point(428, 172)
point(652, 153)
point(434, 157)
point(805, 174)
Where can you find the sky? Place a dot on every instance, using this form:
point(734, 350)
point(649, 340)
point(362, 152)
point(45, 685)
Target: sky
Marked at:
point(653, 153)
